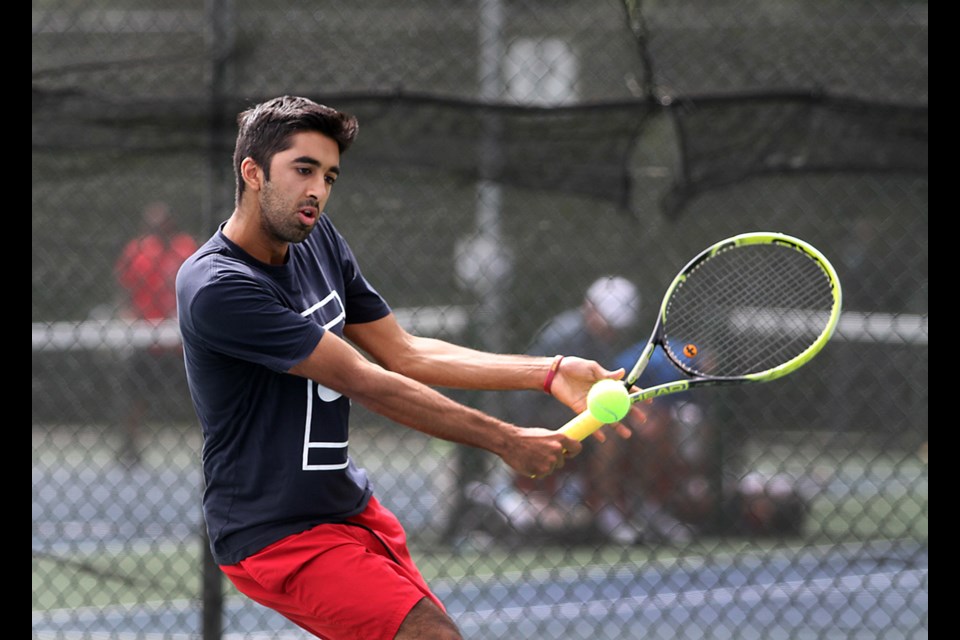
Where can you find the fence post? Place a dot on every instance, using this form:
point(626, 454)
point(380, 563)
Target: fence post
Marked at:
point(212, 592)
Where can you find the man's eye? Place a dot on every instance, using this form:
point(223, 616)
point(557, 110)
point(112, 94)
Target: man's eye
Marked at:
point(305, 171)
point(331, 179)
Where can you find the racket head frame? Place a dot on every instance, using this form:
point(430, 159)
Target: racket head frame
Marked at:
point(743, 239)
point(582, 425)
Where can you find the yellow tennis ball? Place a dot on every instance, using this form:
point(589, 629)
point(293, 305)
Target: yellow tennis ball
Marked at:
point(608, 401)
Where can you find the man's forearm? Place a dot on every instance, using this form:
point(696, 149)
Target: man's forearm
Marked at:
point(439, 363)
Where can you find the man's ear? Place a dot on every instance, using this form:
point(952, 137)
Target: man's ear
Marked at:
point(251, 173)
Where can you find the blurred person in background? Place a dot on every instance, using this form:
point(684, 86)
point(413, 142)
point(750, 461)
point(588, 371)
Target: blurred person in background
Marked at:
point(666, 467)
point(146, 272)
point(605, 477)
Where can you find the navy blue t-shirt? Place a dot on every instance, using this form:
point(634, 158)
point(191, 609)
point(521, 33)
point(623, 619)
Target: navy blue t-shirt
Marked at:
point(275, 457)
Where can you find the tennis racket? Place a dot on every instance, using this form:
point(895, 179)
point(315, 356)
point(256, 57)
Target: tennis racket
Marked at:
point(751, 308)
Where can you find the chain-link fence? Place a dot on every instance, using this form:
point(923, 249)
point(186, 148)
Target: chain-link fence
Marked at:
point(511, 151)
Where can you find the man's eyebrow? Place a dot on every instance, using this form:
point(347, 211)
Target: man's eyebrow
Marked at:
point(316, 163)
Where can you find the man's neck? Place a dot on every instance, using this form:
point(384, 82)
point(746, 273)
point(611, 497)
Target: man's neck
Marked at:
point(243, 229)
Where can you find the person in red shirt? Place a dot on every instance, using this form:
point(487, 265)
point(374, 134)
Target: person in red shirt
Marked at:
point(147, 268)
point(146, 272)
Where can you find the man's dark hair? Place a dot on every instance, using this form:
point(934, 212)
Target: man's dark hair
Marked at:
point(266, 129)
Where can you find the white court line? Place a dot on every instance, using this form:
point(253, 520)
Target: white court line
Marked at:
point(814, 590)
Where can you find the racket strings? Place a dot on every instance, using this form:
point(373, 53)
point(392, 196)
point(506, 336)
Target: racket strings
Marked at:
point(747, 309)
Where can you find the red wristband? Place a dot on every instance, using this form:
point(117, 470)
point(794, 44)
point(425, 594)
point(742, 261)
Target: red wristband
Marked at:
point(554, 367)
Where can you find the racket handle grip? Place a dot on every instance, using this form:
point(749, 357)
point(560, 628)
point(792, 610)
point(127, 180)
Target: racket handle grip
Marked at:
point(581, 426)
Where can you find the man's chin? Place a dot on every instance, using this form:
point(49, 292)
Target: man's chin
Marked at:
point(301, 233)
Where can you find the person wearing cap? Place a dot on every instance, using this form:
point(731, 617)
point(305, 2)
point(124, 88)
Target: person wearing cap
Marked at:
point(599, 328)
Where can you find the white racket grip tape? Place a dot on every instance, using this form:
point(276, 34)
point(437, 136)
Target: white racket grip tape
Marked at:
point(581, 426)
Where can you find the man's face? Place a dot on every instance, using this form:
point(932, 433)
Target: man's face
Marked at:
point(301, 179)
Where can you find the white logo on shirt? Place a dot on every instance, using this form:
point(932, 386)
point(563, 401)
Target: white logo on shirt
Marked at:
point(331, 301)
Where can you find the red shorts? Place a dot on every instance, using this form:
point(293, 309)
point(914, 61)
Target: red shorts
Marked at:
point(338, 581)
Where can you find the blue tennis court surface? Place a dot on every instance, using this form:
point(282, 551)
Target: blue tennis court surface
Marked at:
point(851, 590)
point(841, 593)
point(780, 596)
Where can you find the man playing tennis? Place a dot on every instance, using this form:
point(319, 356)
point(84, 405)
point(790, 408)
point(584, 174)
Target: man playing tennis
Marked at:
point(265, 308)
